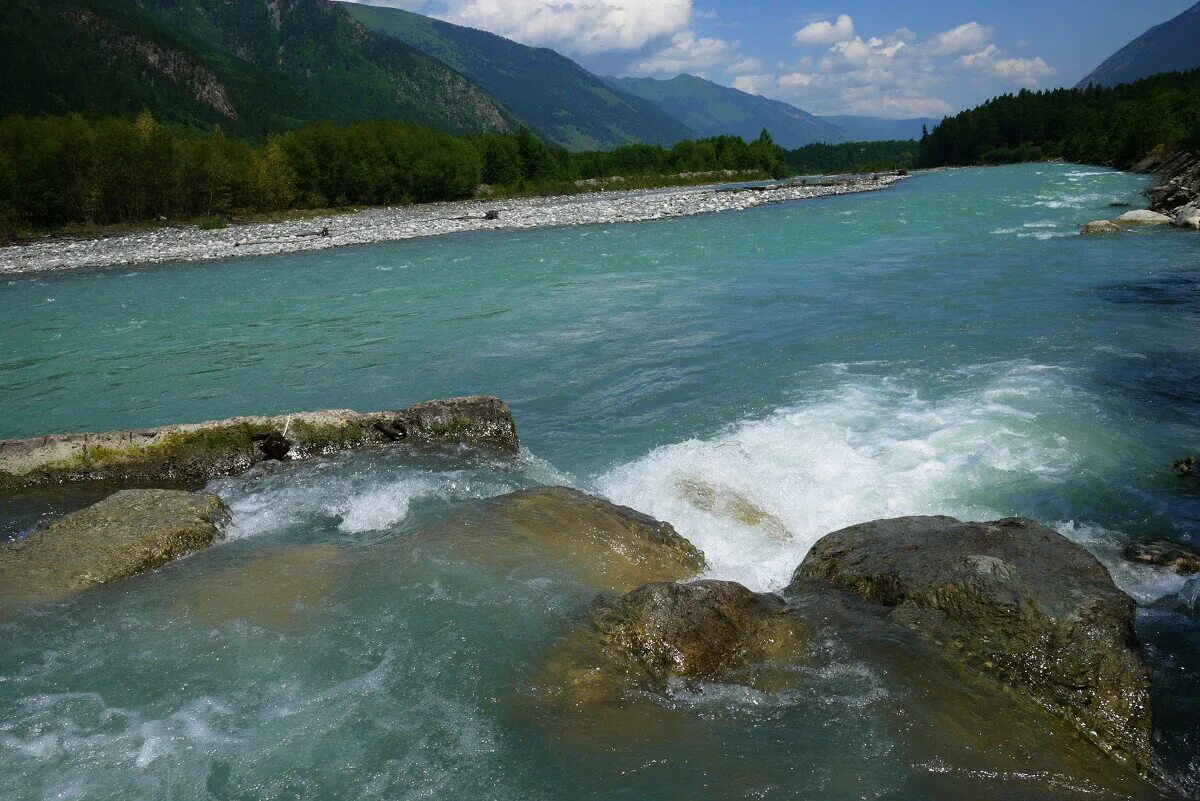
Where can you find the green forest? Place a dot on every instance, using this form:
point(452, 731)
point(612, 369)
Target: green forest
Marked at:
point(1117, 126)
point(62, 171)
point(823, 159)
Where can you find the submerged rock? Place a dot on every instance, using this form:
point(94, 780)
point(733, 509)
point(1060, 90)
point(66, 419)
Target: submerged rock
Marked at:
point(662, 631)
point(127, 533)
point(1163, 553)
point(274, 589)
point(1101, 227)
point(613, 547)
point(1185, 602)
point(197, 452)
point(705, 629)
point(1013, 600)
point(1139, 217)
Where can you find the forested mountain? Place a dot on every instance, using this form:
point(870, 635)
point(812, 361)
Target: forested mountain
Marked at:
point(251, 65)
point(560, 99)
point(879, 129)
point(1117, 126)
point(711, 110)
point(1173, 46)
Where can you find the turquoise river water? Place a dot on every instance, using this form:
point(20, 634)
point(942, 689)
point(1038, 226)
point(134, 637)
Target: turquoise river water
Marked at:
point(947, 346)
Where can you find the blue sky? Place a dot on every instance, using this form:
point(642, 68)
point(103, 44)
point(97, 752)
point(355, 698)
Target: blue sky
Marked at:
point(867, 57)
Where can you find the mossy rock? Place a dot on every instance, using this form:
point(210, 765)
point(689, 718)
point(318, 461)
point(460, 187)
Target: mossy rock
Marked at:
point(193, 453)
point(129, 532)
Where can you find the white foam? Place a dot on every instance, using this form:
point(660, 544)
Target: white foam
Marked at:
point(1144, 583)
point(757, 497)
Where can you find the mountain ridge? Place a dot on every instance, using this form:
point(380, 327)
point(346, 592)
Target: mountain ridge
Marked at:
point(712, 109)
point(556, 96)
point(1171, 46)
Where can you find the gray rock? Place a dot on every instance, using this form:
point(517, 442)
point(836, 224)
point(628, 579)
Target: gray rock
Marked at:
point(127, 533)
point(1139, 217)
point(1011, 600)
point(196, 452)
point(1185, 602)
point(1163, 553)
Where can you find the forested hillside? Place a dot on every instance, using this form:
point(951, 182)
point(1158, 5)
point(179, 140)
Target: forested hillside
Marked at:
point(847, 157)
point(63, 171)
point(253, 67)
point(1115, 126)
point(555, 96)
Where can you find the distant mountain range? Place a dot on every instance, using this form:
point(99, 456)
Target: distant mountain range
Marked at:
point(1173, 46)
point(260, 66)
point(557, 98)
point(880, 129)
point(711, 109)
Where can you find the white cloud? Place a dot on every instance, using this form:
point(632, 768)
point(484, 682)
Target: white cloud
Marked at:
point(893, 75)
point(575, 26)
point(746, 66)
point(687, 53)
point(1020, 71)
point(754, 84)
point(825, 32)
point(966, 37)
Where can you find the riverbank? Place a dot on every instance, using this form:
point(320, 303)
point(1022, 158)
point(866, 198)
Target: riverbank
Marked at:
point(407, 222)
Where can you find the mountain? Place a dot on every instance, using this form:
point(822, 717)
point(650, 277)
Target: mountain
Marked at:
point(250, 65)
point(558, 98)
point(711, 109)
point(880, 129)
point(1173, 46)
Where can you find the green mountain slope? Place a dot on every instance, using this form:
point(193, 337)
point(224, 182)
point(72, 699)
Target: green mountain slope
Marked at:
point(1173, 46)
point(251, 66)
point(558, 98)
point(880, 129)
point(711, 110)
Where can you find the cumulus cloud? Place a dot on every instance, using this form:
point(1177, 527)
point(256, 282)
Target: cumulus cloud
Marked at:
point(966, 37)
point(746, 66)
point(575, 26)
point(754, 84)
point(892, 75)
point(825, 32)
point(1021, 71)
point(687, 53)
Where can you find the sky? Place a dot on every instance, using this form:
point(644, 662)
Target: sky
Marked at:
point(927, 58)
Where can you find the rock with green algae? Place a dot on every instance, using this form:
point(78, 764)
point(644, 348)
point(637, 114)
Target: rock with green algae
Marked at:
point(196, 452)
point(1014, 601)
point(129, 532)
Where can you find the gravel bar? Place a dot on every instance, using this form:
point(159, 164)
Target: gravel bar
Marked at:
point(171, 244)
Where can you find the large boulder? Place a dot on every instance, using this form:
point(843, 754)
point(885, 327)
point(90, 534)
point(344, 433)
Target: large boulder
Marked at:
point(1013, 601)
point(612, 547)
point(197, 452)
point(127, 533)
point(1139, 217)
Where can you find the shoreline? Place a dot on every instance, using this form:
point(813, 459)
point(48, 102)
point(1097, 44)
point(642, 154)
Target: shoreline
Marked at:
point(397, 223)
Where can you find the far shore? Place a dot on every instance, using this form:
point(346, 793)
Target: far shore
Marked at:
point(390, 224)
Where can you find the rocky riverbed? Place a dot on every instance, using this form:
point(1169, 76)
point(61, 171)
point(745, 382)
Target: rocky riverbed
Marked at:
point(408, 222)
